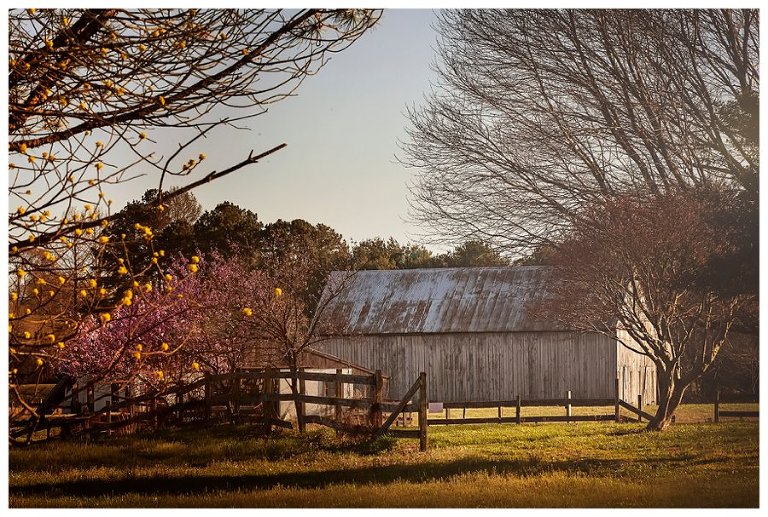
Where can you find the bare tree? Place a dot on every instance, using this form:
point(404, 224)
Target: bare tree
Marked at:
point(635, 264)
point(538, 113)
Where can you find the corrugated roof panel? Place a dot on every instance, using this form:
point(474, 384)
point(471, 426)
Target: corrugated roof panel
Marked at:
point(482, 299)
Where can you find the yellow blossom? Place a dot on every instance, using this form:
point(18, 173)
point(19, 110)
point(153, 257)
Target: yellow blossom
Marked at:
point(135, 283)
point(83, 293)
point(195, 259)
point(39, 362)
point(31, 159)
point(60, 345)
point(161, 100)
point(35, 291)
point(89, 231)
point(142, 135)
point(14, 296)
point(27, 335)
point(139, 347)
point(142, 47)
point(78, 231)
point(137, 355)
point(62, 279)
point(20, 273)
point(28, 311)
point(168, 277)
point(164, 347)
point(247, 311)
point(23, 148)
point(102, 291)
point(103, 239)
point(51, 338)
point(122, 270)
point(154, 260)
point(99, 166)
point(159, 374)
point(195, 366)
point(202, 157)
point(278, 292)
point(92, 282)
point(161, 253)
point(105, 317)
point(192, 268)
point(147, 287)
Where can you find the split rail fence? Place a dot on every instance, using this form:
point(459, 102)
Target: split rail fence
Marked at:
point(240, 396)
point(734, 399)
point(567, 403)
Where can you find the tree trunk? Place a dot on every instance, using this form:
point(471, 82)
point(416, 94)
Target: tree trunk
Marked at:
point(295, 391)
point(671, 390)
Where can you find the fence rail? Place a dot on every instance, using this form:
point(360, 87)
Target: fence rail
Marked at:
point(180, 405)
point(734, 399)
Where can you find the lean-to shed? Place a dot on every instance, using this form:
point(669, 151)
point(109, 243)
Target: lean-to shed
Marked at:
point(472, 331)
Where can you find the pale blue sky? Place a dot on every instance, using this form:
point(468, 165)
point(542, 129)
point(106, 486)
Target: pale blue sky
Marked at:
point(342, 129)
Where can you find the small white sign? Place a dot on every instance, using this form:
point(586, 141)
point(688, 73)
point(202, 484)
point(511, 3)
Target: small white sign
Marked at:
point(435, 407)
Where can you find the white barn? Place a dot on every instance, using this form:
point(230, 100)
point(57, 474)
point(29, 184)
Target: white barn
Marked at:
point(471, 331)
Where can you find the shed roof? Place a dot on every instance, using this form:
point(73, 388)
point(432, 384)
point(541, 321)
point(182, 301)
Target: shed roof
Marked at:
point(472, 299)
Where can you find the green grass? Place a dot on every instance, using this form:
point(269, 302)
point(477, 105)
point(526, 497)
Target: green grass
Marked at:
point(545, 465)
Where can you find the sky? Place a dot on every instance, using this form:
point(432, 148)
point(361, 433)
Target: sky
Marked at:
point(342, 130)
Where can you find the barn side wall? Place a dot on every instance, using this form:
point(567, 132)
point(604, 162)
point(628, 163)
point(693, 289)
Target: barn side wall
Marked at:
point(636, 372)
point(487, 366)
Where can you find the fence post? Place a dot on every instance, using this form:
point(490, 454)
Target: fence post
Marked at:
point(180, 404)
point(114, 393)
point(378, 398)
point(499, 412)
point(616, 401)
point(300, 406)
point(108, 405)
point(235, 398)
point(339, 393)
point(423, 411)
point(90, 396)
point(640, 407)
point(75, 402)
point(717, 406)
point(268, 405)
point(517, 410)
point(568, 405)
point(207, 387)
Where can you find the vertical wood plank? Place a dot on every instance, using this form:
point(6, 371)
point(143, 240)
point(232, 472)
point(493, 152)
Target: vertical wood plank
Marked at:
point(717, 406)
point(640, 406)
point(300, 407)
point(339, 393)
point(207, 388)
point(268, 405)
point(378, 398)
point(568, 405)
point(616, 400)
point(517, 410)
point(423, 411)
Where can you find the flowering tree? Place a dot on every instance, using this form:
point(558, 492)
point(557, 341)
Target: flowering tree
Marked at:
point(211, 314)
point(87, 86)
point(642, 267)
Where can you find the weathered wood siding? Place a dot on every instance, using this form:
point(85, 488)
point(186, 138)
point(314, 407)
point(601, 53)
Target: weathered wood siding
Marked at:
point(487, 366)
point(636, 373)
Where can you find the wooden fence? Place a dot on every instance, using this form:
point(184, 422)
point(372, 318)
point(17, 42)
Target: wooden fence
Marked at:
point(567, 403)
point(252, 396)
point(734, 399)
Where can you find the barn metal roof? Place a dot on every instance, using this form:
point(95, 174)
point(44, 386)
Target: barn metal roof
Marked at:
point(473, 299)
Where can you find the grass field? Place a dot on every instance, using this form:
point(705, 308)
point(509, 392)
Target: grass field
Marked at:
point(545, 465)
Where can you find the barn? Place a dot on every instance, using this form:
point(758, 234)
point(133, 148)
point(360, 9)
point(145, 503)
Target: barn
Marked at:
point(471, 330)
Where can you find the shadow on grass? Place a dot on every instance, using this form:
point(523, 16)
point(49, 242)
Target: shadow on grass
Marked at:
point(319, 479)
